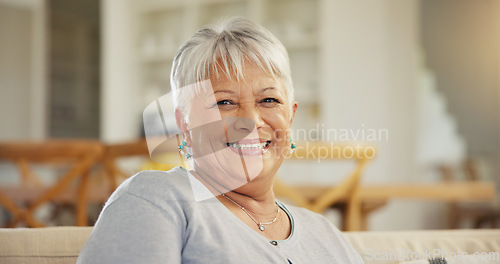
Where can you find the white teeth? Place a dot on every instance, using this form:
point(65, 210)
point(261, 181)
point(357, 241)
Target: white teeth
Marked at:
point(248, 146)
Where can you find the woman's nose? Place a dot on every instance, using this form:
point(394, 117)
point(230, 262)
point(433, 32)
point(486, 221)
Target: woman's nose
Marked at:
point(248, 119)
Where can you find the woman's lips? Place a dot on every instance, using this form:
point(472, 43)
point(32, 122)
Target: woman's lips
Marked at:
point(250, 146)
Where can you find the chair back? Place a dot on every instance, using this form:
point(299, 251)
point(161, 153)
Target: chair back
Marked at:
point(348, 189)
point(22, 201)
point(114, 152)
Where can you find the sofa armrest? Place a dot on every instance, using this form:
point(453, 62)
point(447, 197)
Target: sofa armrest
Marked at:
point(55, 245)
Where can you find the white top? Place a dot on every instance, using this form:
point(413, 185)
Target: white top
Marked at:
point(153, 218)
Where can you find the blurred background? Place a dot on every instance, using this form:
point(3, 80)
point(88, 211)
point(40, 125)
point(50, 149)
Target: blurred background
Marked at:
point(422, 77)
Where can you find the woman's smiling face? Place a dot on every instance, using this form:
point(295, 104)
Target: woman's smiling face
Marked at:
point(239, 130)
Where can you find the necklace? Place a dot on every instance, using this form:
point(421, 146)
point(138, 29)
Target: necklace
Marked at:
point(262, 226)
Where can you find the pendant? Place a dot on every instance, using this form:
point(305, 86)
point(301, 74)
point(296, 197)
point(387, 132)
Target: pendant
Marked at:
point(262, 227)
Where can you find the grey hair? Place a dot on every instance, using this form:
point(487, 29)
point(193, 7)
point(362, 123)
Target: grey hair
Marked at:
point(225, 48)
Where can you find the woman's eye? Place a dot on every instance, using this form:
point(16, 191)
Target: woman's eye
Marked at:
point(224, 102)
point(225, 105)
point(270, 100)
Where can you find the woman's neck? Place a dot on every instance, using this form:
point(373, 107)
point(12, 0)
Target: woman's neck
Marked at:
point(256, 196)
point(261, 203)
point(263, 210)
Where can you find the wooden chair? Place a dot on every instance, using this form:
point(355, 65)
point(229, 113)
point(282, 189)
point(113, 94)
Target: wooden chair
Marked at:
point(113, 152)
point(479, 212)
point(349, 187)
point(137, 148)
point(22, 201)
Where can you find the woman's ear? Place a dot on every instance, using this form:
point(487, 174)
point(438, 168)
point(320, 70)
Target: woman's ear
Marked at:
point(294, 110)
point(180, 120)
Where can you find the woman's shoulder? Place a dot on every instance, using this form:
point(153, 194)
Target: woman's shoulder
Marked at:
point(157, 186)
point(154, 180)
point(146, 214)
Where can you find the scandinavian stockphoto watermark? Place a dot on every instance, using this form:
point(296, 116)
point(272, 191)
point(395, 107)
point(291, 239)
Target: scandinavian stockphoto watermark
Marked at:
point(324, 143)
point(437, 253)
point(322, 132)
point(338, 142)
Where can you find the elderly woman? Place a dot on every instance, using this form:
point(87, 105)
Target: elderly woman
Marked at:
point(234, 105)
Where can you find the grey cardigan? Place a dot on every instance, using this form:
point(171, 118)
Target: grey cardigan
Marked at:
point(153, 218)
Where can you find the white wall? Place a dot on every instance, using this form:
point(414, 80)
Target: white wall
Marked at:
point(120, 102)
point(370, 76)
point(462, 40)
point(462, 53)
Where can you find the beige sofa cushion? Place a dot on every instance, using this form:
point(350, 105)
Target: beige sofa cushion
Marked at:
point(54, 245)
point(61, 245)
point(375, 247)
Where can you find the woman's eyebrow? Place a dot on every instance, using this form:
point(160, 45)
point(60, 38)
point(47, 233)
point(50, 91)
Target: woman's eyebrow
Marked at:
point(262, 90)
point(224, 91)
point(267, 88)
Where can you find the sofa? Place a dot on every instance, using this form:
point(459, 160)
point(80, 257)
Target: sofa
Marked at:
point(60, 245)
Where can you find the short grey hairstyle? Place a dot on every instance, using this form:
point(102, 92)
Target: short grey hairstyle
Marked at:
point(225, 48)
